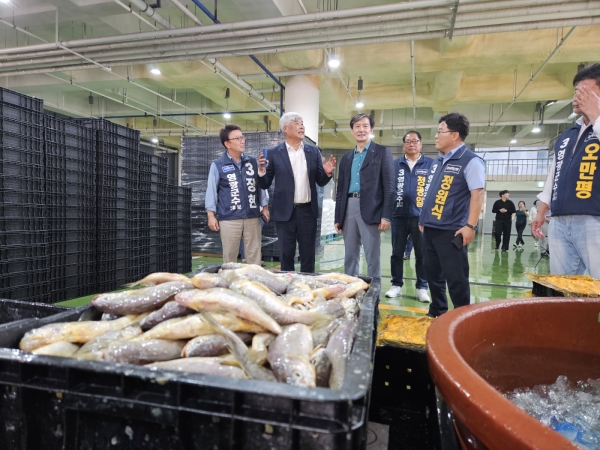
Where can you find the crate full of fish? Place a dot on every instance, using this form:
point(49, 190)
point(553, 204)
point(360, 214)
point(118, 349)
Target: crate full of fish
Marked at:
point(239, 358)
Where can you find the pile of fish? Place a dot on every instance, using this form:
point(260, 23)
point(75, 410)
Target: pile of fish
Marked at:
point(244, 322)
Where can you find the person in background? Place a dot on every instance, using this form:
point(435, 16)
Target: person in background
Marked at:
point(364, 198)
point(408, 248)
point(520, 223)
point(572, 190)
point(297, 169)
point(504, 210)
point(232, 198)
point(531, 218)
point(264, 218)
point(450, 214)
point(410, 172)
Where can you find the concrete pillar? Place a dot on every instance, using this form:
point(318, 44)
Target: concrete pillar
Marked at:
point(302, 96)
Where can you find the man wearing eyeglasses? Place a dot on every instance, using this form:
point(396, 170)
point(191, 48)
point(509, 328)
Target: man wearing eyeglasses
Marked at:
point(297, 169)
point(450, 214)
point(411, 171)
point(233, 198)
point(364, 198)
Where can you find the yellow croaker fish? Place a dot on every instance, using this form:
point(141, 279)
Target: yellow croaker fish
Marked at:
point(210, 345)
point(260, 346)
point(76, 332)
point(205, 280)
point(276, 283)
point(353, 288)
point(95, 348)
point(139, 300)
point(220, 299)
point(65, 349)
point(298, 293)
point(206, 366)
point(289, 356)
point(143, 352)
point(338, 350)
point(322, 365)
point(282, 313)
point(194, 325)
point(331, 291)
point(169, 310)
point(338, 277)
point(158, 278)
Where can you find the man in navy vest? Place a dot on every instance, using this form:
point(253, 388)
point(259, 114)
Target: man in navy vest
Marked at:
point(364, 198)
point(232, 201)
point(572, 190)
point(450, 214)
point(411, 172)
point(297, 169)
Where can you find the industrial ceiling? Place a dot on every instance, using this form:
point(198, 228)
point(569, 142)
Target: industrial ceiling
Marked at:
point(506, 64)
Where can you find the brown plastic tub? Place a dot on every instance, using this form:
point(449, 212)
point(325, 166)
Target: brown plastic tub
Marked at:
point(478, 351)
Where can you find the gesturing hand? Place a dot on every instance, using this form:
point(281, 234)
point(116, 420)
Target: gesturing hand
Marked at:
point(329, 166)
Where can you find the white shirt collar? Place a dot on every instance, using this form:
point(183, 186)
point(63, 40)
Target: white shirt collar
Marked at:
point(290, 148)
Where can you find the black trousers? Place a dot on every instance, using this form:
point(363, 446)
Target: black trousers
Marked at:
point(302, 227)
point(520, 229)
point(503, 232)
point(445, 264)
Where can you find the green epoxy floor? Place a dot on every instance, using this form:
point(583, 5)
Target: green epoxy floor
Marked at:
point(494, 274)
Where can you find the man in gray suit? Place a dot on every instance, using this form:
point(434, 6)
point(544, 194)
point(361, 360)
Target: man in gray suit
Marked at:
point(364, 198)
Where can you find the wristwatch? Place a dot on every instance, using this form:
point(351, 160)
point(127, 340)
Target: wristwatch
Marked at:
point(473, 227)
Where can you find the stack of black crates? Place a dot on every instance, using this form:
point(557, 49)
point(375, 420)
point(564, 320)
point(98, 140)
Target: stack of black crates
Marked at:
point(70, 152)
point(23, 225)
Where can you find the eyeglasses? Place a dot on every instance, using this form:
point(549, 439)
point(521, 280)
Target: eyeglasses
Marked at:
point(414, 141)
point(239, 139)
point(441, 132)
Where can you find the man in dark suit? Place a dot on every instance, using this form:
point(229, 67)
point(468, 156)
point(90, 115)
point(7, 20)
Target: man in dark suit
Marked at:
point(297, 169)
point(365, 197)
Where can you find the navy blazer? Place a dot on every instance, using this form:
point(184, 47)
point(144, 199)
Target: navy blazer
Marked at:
point(280, 168)
point(377, 190)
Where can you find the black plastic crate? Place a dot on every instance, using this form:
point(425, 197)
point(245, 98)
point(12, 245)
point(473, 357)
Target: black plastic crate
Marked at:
point(24, 128)
point(15, 112)
point(23, 142)
point(539, 290)
point(21, 237)
point(21, 156)
point(20, 279)
point(13, 310)
point(70, 127)
point(81, 149)
point(115, 171)
point(21, 100)
point(13, 170)
point(23, 265)
point(22, 197)
point(23, 251)
point(33, 292)
point(21, 224)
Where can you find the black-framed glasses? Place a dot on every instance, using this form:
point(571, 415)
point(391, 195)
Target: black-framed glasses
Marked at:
point(449, 131)
point(413, 141)
point(239, 139)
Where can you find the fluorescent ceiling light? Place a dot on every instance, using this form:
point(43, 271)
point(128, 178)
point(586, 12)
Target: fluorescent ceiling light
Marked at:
point(359, 104)
point(226, 115)
point(155, 71)
point(155, 140)
point(536, 130)
point(334, 62)
point(513, 141)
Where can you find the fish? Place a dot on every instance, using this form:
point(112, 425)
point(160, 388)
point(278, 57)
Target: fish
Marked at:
point(61, 348)
point(94, 348)
point(143, 352)
point(289, 356)
point(210, 345)
point(333, 308)
point(335, 276)
point(321, 334)
point(360, 295)
point(240, 351)
point(139, 300)
point(233, 266)
point(106, 316)
point(206, 366)
point(189, 327)
point(353, 288)
point(221, 299)
point(331, 291)
point(169, 310)
point(270, 304)
point(75, 332)
point(308, 280)
point(351, 307)
point(277, 284)
point(260, 346)
point(338, 350)
point(204, 280)
point(298, 293)
point(158, 278)
point(322, 366)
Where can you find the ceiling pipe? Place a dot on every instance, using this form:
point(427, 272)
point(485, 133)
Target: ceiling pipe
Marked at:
point(22, 30)
point(151, 12)
point(211, 113)
point(314, 17)
point(262, 42)
point(130, 9)
point(187, 12)
point(288, 73)
point(413, 82)
point(332, 42)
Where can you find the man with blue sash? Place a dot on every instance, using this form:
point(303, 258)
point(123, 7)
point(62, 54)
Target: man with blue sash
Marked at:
point(450, 214)
point(411, 171)
point(572, 190)
point(232, 201)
